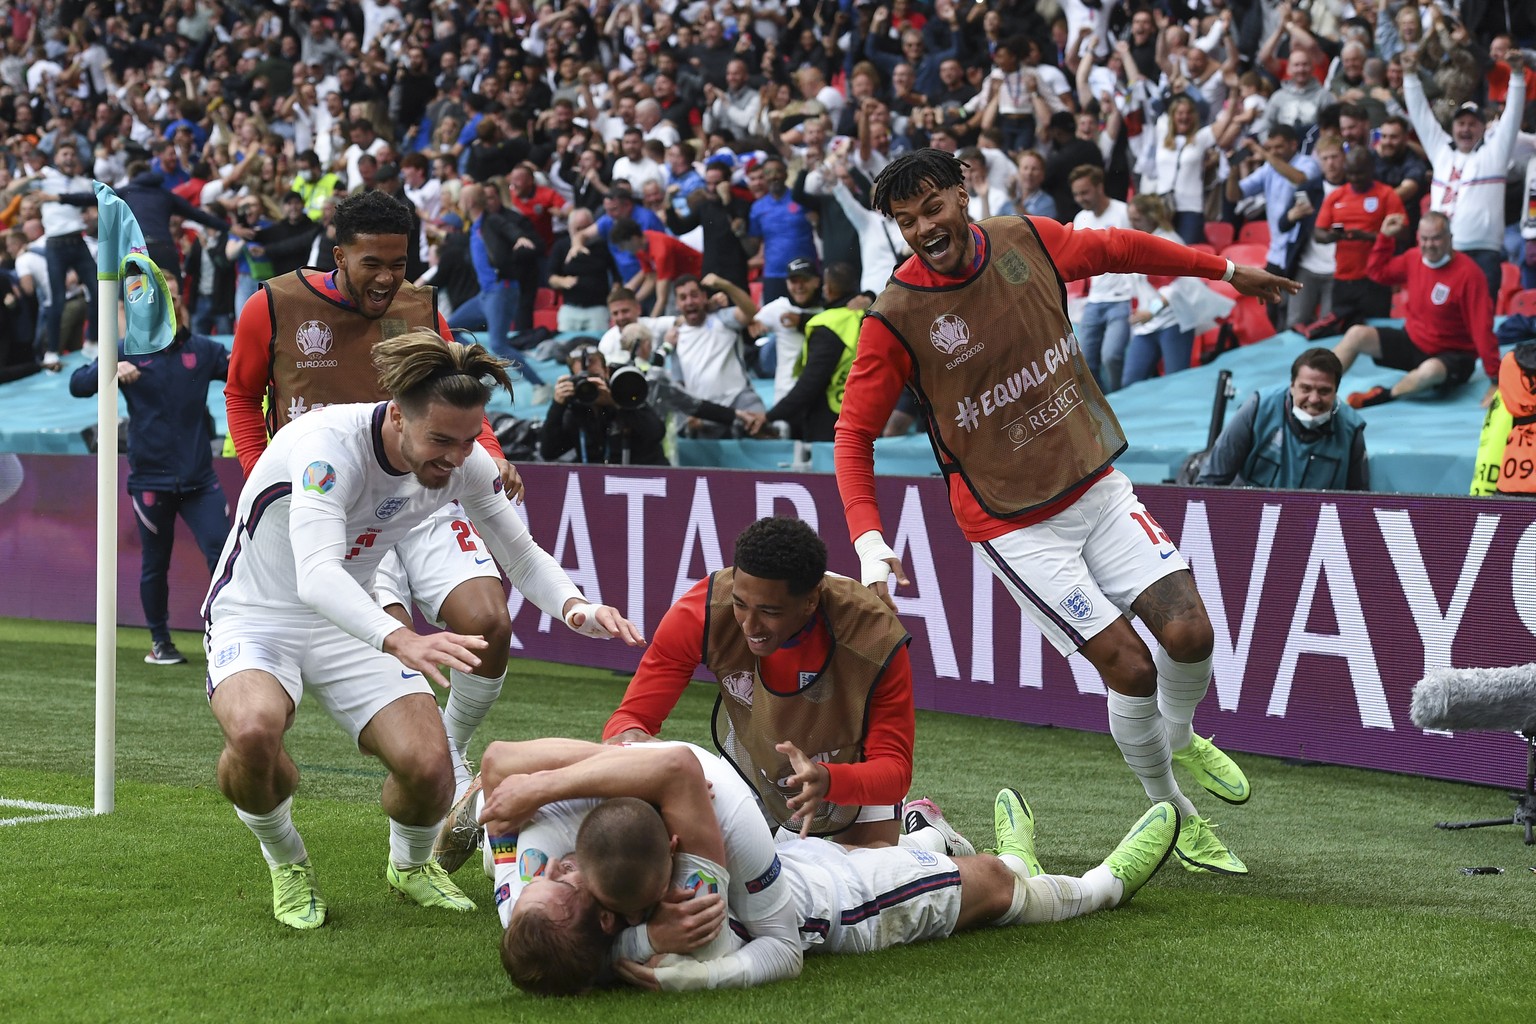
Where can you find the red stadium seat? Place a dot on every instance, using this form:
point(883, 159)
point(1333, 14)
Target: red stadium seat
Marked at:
point(1255, 232)
point(1202, 247)
point(546, 318)
point(1509, 284)
point(1250, 255)
point(547, 298)
point(1249, 320)
point(1523, 303)
point(1219, 234)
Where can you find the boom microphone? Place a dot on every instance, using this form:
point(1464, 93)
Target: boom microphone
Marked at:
point(1493, 699)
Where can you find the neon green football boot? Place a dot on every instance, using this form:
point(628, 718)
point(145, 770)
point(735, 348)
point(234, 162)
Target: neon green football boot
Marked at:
point(1217, 772)
point(1014, 824)
point(1144, 849)
point(430, 886)
point(1200, 850)
point(296, 899)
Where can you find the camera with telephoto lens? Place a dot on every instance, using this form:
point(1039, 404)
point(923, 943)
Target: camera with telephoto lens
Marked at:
point(628, 386)
point(586, 388)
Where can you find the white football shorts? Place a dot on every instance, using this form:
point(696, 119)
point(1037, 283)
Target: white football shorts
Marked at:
point(351, 680)
point(433, 559)
point(1077, 572)
point(859, 900)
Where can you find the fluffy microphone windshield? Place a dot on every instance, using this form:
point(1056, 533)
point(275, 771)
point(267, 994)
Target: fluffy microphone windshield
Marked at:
point(1495, 699)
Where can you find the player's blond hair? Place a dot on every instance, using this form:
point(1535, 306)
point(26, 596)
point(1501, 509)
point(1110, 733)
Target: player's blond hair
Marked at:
point(419, 367)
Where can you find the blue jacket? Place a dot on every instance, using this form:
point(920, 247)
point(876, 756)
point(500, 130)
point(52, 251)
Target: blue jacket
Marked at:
point(170, 439)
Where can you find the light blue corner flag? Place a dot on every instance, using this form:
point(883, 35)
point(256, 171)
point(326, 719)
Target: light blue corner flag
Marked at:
point(121, 255)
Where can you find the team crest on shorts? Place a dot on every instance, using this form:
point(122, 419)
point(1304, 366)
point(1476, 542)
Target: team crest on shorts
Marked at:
point(924, 857)
point(389, 506)
point(1013, 267)
point(227, 654)
point(948, 333)
point(319, 477)
point(1439, 293)
point(313, 338)
point(739, 685)
point(1077, 605)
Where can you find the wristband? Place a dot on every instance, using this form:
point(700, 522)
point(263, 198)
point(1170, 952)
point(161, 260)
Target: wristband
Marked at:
point(1231, 269)
point(590, 627)
point(873, 552)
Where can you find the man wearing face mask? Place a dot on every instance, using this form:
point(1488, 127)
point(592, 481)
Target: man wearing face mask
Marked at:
point(1449, 325)
point(1294, 436)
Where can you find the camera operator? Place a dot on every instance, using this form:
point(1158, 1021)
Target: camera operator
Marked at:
point(585, 416)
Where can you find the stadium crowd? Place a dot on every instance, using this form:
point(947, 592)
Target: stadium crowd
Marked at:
point(574, 166)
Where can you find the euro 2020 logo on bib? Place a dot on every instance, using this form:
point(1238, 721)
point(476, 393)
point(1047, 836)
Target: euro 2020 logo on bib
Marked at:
point(739, 685)
point(948, 333)
point(313, 338)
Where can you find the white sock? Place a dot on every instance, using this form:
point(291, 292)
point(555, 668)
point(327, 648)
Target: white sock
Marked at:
point(280, 841)
point(1045, 898)
point(1015, 864)
point(410, 846)
point(926, 838)
point(1181, 686)
point(1138, 730)
point(469, 698)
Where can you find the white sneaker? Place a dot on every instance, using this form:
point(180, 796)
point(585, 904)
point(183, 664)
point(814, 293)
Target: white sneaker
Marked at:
point(89, 350)
point(920, 813)
point(51, 362)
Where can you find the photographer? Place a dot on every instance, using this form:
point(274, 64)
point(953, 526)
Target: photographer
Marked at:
point(585, 417)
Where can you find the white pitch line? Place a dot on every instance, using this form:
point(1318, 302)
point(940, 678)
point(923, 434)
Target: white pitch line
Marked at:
point(51, 812)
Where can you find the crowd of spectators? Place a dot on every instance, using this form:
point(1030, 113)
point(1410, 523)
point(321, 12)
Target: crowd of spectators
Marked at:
point(681, 158)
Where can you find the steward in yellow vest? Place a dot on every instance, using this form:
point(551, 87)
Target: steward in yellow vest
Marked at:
point(821, 370)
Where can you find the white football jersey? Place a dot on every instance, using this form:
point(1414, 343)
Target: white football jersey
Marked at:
point(324, 497)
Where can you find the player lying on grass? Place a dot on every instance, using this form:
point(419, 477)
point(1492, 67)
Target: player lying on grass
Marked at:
point(640, 842)
point(290, 609)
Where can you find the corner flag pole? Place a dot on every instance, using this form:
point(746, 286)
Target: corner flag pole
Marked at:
point(106, 544)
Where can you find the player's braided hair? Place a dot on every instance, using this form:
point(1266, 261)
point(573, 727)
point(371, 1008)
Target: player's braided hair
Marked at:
point(370, 213)
point(782, 549)
point(419, 367)
point(910, 173)
point(623, 847)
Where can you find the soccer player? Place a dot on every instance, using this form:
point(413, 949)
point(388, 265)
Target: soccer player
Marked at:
point(810, 896)
point(290, 610)
point(303, 343)
point(975, 322)
point(823, 726)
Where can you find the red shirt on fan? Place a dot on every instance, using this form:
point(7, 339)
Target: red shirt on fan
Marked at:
point(539, 208)
point(250, 372)
point(1448, 309)
point(882, 367)
point(677, 649)
point(1348, 210)
point(668, 257)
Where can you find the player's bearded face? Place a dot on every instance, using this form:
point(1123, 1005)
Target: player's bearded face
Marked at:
point(935, 226)
point(768, 614)
point(370, 271)
point(436, 442)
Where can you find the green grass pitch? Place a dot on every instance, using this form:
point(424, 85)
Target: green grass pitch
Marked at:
point(1355, 910)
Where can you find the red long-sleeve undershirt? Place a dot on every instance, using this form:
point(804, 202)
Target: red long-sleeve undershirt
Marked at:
point(677, 649)
point(250, 371)
point(882, 367)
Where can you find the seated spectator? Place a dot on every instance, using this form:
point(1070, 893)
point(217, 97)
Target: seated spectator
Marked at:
point(1449, 325)
point(708, 347)
point(663, 259)
point(821, 369)
point(1298, 436)
point(582, 269)
point(585, 423)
